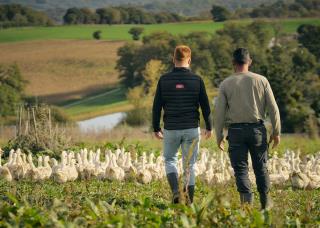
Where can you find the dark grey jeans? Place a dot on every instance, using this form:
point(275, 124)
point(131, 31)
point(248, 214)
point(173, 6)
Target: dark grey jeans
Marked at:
point(253, 138)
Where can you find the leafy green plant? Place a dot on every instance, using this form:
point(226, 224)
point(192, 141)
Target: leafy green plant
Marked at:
point(97, 35)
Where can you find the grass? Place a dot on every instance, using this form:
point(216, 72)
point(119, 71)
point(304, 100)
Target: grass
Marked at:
point(120, 32)
point(299, 142)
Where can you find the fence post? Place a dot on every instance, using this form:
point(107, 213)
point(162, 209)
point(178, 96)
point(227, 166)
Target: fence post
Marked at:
point(35, 125)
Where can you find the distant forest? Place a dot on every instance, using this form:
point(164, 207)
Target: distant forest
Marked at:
point(13, 15)
point(297, 8)
point(118, 15)
point(55, 9)
point(279, 9)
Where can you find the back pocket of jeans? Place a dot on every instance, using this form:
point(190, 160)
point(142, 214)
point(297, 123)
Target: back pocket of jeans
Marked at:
point(259, 135)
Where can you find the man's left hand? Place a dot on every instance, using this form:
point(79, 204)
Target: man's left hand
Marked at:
point(159, 134)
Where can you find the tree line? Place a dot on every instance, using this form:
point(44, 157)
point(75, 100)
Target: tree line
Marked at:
point(15, 15)
point(279, 9)
point(118, 15)
point(182, 7)
point(291, 65)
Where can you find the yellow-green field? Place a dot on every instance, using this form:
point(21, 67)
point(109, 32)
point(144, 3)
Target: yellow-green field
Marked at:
point(62, 70)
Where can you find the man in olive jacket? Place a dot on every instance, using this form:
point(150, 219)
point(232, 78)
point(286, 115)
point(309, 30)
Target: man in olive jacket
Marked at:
point(244, 97)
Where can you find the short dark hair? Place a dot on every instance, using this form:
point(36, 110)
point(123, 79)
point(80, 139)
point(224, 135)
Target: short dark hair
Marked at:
point(241, 56)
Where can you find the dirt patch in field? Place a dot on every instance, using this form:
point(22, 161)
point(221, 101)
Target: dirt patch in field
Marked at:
point(62, 70)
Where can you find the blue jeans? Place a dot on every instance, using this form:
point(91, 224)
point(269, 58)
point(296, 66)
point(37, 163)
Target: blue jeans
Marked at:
point(173, 139)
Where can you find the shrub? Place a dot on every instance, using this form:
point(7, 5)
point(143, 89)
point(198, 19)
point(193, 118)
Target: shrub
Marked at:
point(219, 13)
point(97, 35)
point(138, 117)
point(136, 32)
point(140, 114)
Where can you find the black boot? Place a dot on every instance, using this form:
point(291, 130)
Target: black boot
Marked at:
point(266, 202)
point(190, 194)
point(246, 198)
point(174, 185)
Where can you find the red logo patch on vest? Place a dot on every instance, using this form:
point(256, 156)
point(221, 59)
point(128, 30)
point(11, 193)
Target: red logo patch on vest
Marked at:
point(179, 86)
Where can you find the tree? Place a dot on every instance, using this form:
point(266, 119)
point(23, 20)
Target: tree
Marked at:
point(308, 36)
point(151, 74)
point(73, 16)
point(134, 15)
point(12, 15)
point(109, 15)
point(219, 13)
point(139, 115)
point(97, 35)
point(141, 97)
point(296, 68)
point(89, 17)
point(128, 65)
point(11, 89)
point(136, 32)
point(286, 65)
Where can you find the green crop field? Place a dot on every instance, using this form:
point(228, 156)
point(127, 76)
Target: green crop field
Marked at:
point(114, 204)
point(120, 32)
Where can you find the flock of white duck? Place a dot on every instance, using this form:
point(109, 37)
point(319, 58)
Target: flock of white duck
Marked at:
point(213, 168)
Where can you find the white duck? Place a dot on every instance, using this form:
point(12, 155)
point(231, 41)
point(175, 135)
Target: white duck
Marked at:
point(207, 176)
point(72, 171)
point(113, 171)
point(32, 173)
point(60, 171)
point(144, 176)
point(314, 182)
point(129, 169)
point(299, 180)
point(80, 164)
point(4, 171)
point(45, 169)
point(89, 170)
point(17, 168)
point(279, 177)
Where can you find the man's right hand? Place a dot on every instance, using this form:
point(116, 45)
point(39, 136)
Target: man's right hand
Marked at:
point(208, 134)
point(159, 134)
point(221, 144)
point(275, 139)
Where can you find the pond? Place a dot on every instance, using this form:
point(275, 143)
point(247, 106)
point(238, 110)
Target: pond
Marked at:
point(100, 123)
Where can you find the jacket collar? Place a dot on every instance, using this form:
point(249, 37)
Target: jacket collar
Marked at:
point(181, 69)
